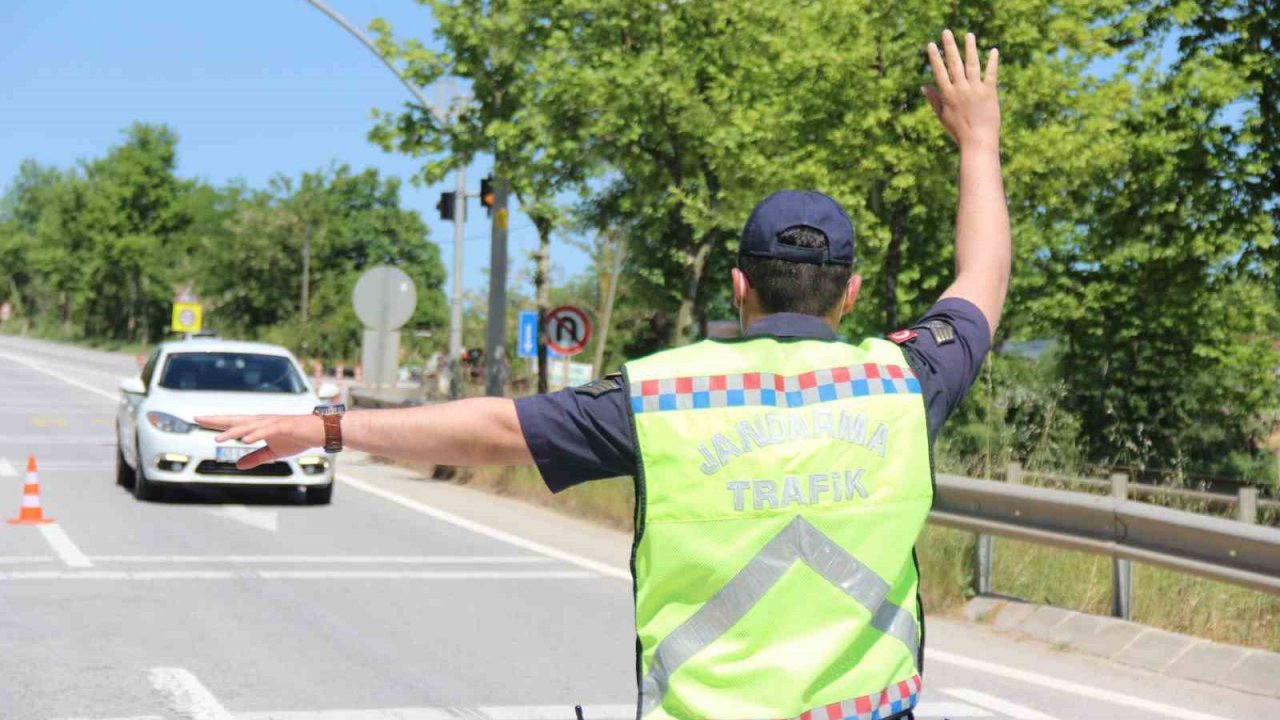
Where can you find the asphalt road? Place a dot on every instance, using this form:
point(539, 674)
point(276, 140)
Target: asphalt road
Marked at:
point(403, 599)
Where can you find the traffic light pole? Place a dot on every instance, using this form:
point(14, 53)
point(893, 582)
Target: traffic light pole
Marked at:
point(496, 337)
point(455, 303)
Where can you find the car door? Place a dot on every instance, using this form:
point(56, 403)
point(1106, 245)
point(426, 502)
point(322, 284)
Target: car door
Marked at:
point(130, 406)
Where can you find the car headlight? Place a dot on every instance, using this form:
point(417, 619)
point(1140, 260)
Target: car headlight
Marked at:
point(165, 422)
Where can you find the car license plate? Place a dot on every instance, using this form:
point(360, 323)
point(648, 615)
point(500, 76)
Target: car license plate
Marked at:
point(232, 454)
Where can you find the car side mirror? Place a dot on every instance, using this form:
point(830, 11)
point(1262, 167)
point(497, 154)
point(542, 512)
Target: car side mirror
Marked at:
point(328, 391)
point(133, 386)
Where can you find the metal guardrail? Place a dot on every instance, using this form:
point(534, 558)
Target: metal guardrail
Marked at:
point(1244, 501)
point(1126, 530)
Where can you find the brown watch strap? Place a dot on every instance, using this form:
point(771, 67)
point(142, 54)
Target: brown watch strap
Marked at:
point(332, 432)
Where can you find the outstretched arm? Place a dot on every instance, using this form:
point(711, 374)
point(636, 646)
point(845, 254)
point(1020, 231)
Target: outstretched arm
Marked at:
point(966, 103)
point(476, 431)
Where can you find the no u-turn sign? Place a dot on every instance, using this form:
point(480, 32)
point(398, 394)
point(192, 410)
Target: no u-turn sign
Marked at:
point(568, 330)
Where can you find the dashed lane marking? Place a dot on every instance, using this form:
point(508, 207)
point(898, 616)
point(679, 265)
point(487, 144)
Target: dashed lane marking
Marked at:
point(25, 559)
point(489, 532)
point(84, 575)
point(6, 470)
point(1084, 691)
point(268, 520)
point(186, 695)
point(62, 545)
point(1000, 705)
point(59, 376)
point(60, 439)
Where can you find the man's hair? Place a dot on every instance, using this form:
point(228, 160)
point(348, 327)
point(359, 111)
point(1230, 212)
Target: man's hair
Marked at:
point(796, 287)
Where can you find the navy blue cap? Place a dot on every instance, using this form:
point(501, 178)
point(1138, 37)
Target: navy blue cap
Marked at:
point(786, 209)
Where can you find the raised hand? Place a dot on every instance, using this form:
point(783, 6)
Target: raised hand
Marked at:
point(964, 98)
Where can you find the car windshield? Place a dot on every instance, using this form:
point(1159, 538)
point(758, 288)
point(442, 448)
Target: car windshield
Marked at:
point(231, 372)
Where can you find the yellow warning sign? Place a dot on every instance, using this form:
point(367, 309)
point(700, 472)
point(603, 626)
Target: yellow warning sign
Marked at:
point(187, 317)
point(500, 219)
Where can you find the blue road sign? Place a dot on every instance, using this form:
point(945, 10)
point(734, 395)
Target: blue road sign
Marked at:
point(527, 345)
point(527, 342)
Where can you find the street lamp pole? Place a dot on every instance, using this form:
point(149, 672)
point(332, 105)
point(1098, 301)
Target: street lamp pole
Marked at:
point(459, 208)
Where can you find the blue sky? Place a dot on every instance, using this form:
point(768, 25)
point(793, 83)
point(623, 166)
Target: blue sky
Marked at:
point(253, 88)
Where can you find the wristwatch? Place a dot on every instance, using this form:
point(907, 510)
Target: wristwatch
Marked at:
point(332, 417)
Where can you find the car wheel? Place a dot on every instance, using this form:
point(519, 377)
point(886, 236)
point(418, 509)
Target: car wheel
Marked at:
point(144, 489)
point(124, 473)
point(320, 494)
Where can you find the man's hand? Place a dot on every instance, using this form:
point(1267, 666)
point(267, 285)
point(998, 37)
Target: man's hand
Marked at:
point(966, 104)
point(285, 435)
point(965, 100)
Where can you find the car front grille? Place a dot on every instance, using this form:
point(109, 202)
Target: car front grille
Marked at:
point(275, 469)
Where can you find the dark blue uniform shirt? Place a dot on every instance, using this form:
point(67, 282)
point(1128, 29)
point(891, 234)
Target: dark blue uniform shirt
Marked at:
point(580, 434)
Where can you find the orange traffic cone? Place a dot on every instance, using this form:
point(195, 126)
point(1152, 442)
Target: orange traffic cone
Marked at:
point(31, 513)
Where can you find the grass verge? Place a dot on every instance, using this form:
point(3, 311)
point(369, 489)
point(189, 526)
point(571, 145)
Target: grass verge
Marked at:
point(1038, 574)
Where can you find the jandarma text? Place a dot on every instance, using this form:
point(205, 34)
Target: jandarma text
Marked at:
point(774, 428)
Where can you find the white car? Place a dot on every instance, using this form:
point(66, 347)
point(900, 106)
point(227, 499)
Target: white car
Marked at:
point(159, 446)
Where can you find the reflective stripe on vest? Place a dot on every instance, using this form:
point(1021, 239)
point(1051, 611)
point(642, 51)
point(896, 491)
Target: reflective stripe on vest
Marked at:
point(798, 541)
point(782, 486)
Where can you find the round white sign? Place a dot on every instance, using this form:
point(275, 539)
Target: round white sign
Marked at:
point(568, 330)
point(384, 298)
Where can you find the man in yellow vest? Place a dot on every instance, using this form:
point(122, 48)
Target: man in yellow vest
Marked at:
point(782, 478)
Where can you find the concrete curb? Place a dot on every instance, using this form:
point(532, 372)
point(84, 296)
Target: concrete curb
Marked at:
point(1182, 656)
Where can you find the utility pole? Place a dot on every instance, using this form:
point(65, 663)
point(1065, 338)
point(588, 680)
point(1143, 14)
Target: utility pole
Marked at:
point(496, 338)
point(306, 274)
point(455, 303)
point(619, 250)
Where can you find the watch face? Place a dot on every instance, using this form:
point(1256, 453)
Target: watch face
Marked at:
point(338, 409)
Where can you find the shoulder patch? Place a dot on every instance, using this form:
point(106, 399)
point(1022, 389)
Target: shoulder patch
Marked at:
point(943, 332)
point(902, 336)
point(599, 387)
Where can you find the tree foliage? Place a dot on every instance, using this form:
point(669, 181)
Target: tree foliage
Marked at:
point(101, 250)
point(1140, 154)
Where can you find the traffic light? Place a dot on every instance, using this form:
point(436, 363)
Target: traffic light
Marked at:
point(447, 202)
point(486, 193)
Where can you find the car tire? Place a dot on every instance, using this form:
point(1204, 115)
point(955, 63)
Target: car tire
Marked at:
point(144, 489)
point(124, 474)
point(320, 494)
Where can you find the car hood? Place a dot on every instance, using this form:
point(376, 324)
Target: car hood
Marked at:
point(190, 404)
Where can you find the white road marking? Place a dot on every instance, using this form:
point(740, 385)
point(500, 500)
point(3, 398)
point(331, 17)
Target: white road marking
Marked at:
point(1084, 691)
point(62, 545)
point(186, 695)
point(294, 575)
point(65, 438)
point(25, 559)
point(268, 520)
point(6, 470)
point(326, 559)
point(59, 376)
point(948, 710)
point(131, 717)
point(1013, 710)
point(494, 533)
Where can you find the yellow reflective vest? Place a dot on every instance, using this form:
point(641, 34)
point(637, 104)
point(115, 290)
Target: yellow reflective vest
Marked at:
point(781, 487)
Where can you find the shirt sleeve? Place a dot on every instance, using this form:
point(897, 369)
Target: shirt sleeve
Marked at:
point(579, 434)
point(947, 363)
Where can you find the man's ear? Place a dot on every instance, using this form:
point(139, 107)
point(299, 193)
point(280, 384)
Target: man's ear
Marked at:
point(851, 293)
point(741, 286)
